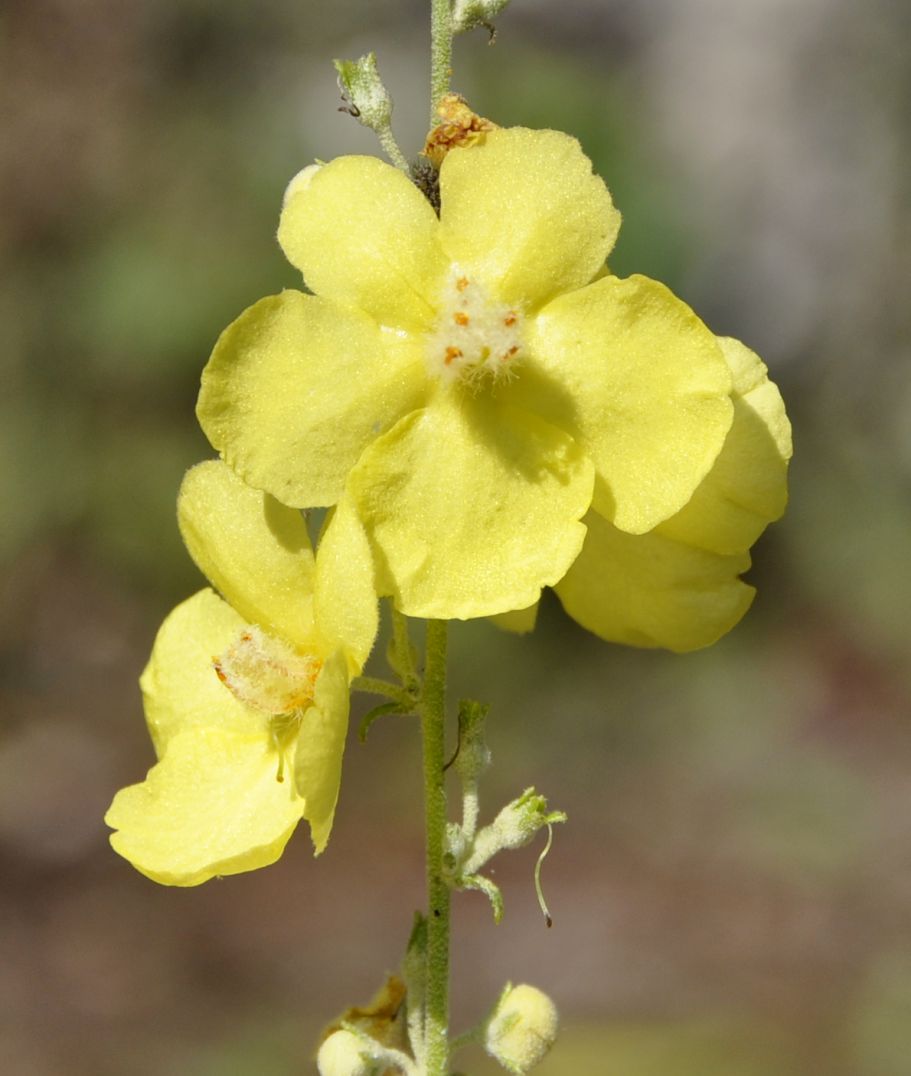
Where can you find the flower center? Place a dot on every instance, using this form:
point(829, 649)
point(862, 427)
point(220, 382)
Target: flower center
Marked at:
point(268, 675)
point(475, 337)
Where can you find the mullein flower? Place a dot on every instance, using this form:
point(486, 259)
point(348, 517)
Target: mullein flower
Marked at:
point(474, 383)
point(246, 695)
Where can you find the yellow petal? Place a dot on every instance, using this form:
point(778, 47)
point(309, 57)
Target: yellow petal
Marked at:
point(471, 507)
point(297, 386)
point(523, 211)
point(641, 383)
point(179, 685)
point(254, 550)
point(746, 488)
point(363, 234)
point(345, 600)
point(320, 747)
point(211, 807)
point(518, 621)
point(647, 590)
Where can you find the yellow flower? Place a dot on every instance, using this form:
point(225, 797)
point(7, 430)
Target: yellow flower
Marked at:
point(475, 383)
point(679, 585)
point(247, 702)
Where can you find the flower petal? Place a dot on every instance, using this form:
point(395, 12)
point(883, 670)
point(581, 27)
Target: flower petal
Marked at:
point(641, 383)
point(320, 747)
point(345, 598)
point(179, 685)
point(254, 550)
point(518, 621)
point(297, 386)
point(524, 211)
point(746, 488)
point(647, 590)
point(471, 507)
point(363, 234)
point(212, 806)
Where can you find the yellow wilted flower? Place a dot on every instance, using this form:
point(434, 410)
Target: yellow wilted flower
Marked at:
point(247, 702)
point(474, 382)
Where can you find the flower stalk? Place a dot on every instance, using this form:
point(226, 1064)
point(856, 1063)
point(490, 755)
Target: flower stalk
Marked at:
point(441, 33)
point(433, 703)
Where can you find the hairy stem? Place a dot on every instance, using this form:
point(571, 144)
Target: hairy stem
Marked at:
point(393, 152)
point(440, 54)
point(433, 708)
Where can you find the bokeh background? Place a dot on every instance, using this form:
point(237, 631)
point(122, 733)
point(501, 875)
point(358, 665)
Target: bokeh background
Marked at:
point(732, 895)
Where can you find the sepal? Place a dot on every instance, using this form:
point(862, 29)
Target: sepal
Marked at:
point(514, 827)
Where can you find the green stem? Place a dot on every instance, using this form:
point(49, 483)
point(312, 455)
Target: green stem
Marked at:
point(440, 54)
point(394, 153)
point(433, 712)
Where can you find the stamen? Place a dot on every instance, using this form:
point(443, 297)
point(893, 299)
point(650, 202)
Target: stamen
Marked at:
point(475, 335)
point(280, 775)
point(267, 674)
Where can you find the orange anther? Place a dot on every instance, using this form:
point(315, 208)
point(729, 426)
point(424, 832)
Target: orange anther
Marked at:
point(509, 354)
point(510, 319)
point(451, 354)
point(462, 283)
point(461, 319)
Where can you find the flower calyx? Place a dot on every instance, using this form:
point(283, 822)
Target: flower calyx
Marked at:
point(473, 756)
point(514, 827)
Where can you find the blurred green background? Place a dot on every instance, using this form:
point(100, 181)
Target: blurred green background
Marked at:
point(732, 895)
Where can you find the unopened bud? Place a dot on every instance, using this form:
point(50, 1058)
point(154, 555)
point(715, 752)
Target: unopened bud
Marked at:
point(365, 96)
point(522, 1028)
point(344, 1054)
point(467, 14)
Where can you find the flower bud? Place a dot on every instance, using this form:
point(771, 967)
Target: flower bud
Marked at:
point(344, 1054)
point(522, 1029)
point(362, 88)
point(467, 14)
